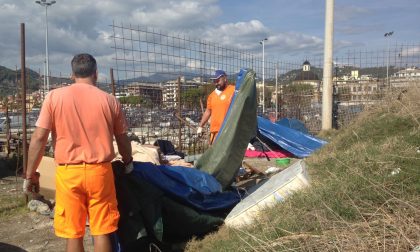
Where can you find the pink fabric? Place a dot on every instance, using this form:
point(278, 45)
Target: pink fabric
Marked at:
point(270, 154)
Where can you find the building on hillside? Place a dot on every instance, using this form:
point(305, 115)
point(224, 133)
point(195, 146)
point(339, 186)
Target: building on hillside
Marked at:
point(406, 77)
point(356, 89)
point(306, 76)
point(146, 91)
point(410, 72)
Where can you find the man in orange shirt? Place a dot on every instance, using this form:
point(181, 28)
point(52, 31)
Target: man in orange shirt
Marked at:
point(217, 104)
point(83, 121)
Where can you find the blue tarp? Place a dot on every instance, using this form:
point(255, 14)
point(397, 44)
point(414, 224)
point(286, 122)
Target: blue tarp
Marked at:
point(298, 143)
point(293, 124)
point(191, 186)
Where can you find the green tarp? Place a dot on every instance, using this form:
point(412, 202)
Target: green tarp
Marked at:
point(224, 158)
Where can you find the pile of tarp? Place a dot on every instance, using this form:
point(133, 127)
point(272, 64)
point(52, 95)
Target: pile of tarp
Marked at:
point(165, 204)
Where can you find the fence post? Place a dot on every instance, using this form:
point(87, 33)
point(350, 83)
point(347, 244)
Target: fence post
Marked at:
point(277, 94)
point(180, 115)
point(23, 82)
point(111, 73)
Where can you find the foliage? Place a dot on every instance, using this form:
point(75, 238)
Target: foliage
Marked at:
point(134, 99)
point(192, 96)
point(296, 99)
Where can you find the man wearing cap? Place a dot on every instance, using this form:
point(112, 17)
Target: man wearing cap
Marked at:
point(217, 104)
point(83, 121)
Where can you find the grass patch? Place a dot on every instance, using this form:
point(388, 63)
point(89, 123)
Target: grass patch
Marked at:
point(12, 205)
point(364, 194)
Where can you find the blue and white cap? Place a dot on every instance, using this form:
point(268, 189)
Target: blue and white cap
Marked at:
point(217, 74)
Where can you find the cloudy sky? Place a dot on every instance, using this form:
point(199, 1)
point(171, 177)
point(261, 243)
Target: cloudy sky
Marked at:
point(292, 27)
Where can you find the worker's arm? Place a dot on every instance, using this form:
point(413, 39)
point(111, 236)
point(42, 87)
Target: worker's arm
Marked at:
point(205, 117)
point(36, 150)
point(124, 148)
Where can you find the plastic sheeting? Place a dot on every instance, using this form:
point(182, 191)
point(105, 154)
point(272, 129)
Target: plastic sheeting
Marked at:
point(270, 154)
point(191, 186)
point(293, 124)
point(296, 142)
point(224, 157)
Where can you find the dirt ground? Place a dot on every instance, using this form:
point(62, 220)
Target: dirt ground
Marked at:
point(26, 230)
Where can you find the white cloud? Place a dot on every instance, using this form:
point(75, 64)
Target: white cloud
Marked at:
point(175, 15)
point(80, 26)
point(84, 26)
point(246, 36)
point(242, 35)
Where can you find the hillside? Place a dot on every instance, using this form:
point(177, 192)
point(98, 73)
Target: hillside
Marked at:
point(9, 77)
point(364, 194)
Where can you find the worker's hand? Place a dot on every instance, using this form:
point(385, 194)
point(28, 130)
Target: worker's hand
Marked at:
point(128, 168)
point(31, 185)
point(199, 131)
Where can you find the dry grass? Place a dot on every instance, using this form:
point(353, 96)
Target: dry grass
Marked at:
point(364, 195)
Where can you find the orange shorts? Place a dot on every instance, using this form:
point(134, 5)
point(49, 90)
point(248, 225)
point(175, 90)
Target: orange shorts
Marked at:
point(85, 191)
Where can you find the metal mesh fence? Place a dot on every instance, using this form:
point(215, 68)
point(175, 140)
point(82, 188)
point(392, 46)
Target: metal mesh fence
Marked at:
point(162, 80)
point(170, 75)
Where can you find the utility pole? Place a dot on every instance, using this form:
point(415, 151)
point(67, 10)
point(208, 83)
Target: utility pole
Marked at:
point(388, 35)
point(327, 76)
point(46, 4)
point(277, 94)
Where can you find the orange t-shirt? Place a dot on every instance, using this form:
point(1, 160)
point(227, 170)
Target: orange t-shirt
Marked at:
point(83, 121)
point(219, 105)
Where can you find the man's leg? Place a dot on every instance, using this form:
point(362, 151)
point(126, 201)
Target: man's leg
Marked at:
point(212, 137)
point(102, 243)
point(75, 245)
point(102, 202)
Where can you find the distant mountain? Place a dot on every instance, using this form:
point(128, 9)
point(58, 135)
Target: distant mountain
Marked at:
point(9, 79)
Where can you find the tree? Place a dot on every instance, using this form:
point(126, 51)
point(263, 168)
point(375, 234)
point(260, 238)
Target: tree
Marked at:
point(191, 97)
point(133, 100)
point(296, 99)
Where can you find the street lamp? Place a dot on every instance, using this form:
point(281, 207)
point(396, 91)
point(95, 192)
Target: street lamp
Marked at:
point(263, 78)
point(387, 35)
point(46, 4)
